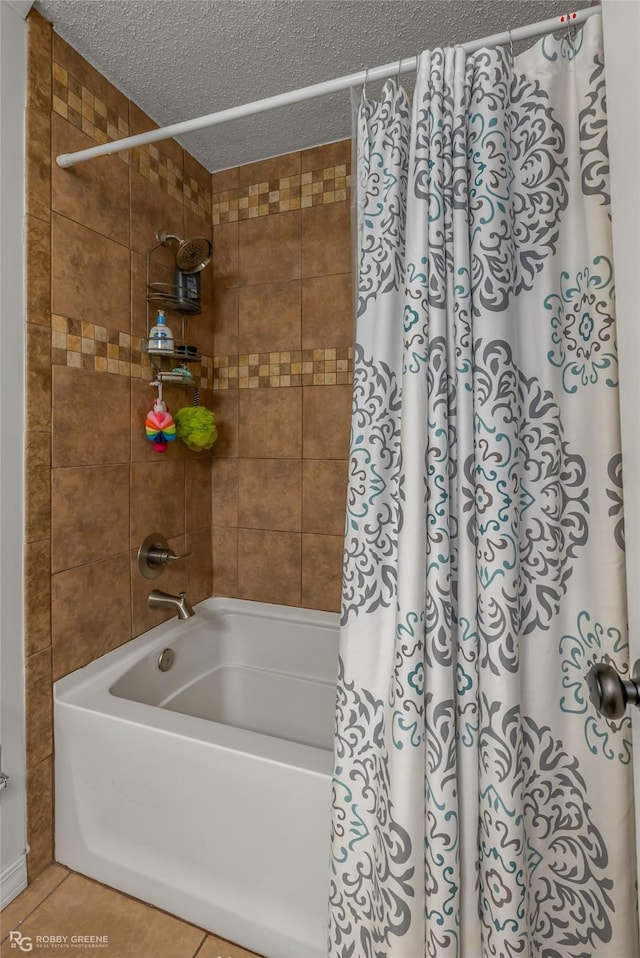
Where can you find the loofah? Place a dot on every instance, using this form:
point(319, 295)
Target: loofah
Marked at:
point(159, 428)
point(196, 426)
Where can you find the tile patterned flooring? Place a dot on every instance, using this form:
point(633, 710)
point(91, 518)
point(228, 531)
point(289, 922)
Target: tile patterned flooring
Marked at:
point(61, 902)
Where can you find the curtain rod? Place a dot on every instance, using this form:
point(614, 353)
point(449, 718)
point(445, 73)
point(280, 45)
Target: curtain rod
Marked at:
point(317, 89)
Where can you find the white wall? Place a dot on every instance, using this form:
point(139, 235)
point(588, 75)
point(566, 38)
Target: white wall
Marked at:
point(13, 48)
point(621, 21)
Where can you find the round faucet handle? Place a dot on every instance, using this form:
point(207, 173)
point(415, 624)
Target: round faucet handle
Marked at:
point(155, 554)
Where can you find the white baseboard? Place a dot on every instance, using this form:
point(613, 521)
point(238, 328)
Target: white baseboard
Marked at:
point(13, 880)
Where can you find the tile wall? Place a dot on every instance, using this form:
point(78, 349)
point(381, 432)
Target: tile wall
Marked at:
point(263, 513)
point(282, 348)
point(94, 485)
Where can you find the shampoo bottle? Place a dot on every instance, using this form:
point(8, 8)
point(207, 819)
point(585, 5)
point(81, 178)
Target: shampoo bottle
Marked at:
point(161, 337)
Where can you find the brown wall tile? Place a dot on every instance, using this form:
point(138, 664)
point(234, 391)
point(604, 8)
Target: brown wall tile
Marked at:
point(38, 165)
point(94, 194)
point(269, 249)
point(105, 221)
point(39, 707)
point(37, 596)
point(225, 322)
point(90, 276)
point(225, 561)
point(157, 499)
point(197, 222)
point(91, 417)
point(199, 566)
point(269, 318)
point(86, 263)
point(269, 494)
point(321, 157)
point(225, 256)
point(225, 409)
point(37, 485)
point(198, 329)
point(326, 421)
point(151, 210)
point(198, 494)
point(269, 566)
point(270, 423)
point(195, 170)
point(141, 122)
point(225, 180)
point(327, 311)
point(139, 295)
point(324, 495)
point(321, 572)
point(40, 817)
point(89, 514)
point(39, 53)
point(38, 378)
point(224, 492)
point(96, 83)
point(326, 240)
point(38, 280)
point(203, 454)
point(91, 612)
point(272, 169)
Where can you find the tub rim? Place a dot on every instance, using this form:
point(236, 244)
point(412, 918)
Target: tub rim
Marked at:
point(88, 689)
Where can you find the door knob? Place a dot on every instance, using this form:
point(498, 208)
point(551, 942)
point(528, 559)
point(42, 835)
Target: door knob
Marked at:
point(609, 692)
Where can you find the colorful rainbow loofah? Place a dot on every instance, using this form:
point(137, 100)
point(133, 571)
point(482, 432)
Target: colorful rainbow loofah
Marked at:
point(196, 426)
point(160, 427)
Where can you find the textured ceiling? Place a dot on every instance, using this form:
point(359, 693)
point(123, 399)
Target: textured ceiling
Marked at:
point(183, 58)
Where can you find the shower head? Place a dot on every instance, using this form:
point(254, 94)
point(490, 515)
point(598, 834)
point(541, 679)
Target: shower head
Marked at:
point(192, 255)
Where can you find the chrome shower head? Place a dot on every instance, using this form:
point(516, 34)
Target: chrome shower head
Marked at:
point(192, 255)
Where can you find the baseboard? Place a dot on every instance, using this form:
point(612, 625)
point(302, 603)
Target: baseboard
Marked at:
point(13, 880)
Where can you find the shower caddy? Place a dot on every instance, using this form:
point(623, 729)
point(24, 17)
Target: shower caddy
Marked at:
point(194, 425)
point(194, 254)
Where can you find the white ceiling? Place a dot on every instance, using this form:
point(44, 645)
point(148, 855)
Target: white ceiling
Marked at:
point(183, 58)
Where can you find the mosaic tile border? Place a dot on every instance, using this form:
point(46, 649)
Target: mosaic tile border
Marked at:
point(77, 104)
point(302, 190)
point(83, 109)
point(302, 367)
point(84, 345)
point(87, 112)
point(154, 166)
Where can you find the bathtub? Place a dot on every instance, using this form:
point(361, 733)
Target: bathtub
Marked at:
point(205, 789)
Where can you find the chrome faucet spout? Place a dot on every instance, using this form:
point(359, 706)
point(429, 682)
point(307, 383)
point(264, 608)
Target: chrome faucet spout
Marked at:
point(164, 600)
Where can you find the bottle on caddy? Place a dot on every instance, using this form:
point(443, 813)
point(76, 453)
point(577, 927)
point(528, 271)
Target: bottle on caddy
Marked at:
point(160, 337)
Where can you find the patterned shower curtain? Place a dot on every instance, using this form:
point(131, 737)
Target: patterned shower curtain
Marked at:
point(481, 806)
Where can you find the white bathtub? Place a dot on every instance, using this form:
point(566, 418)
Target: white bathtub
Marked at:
point(205, 790)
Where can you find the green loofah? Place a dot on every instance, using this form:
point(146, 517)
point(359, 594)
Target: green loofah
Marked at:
point(196, 426)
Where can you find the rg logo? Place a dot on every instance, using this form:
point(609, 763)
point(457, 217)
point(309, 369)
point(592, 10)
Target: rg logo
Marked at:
point(23, 942)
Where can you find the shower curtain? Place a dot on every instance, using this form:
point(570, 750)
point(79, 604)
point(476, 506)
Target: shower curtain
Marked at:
point(481, 806)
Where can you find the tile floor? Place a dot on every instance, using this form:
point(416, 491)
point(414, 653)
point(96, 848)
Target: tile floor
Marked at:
point(61, 902)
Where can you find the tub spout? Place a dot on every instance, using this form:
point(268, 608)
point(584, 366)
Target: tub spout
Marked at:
point(164, 600)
